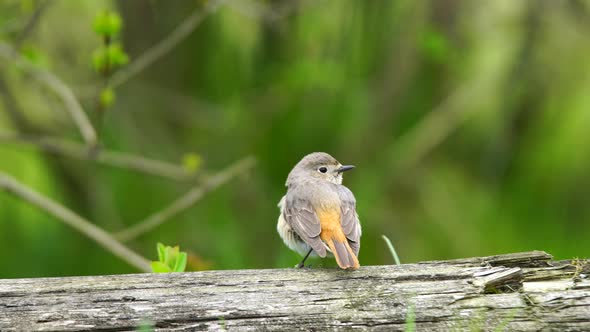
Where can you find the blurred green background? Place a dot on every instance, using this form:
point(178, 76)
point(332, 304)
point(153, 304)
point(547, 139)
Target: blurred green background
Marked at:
point(468, 121)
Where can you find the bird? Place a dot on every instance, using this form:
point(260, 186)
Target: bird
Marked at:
point(318, 214)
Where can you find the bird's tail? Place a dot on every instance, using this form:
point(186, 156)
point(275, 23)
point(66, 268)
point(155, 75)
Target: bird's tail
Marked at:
point(344, 255)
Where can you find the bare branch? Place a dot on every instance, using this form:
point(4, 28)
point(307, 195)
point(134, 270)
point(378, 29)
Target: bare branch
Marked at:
point(167, 44)
point(187, 200)
point(111, 158)
point(60, 88)
point(70, 218)
point(32, 22)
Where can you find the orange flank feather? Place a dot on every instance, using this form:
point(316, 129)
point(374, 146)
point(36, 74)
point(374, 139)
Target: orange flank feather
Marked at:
point(334, 237)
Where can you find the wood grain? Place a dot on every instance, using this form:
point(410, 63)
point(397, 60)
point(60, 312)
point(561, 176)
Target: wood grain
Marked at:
point(515, 292)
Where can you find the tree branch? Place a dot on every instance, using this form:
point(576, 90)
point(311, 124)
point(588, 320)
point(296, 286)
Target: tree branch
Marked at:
point(70, 218)
point(32, 22)
point(60, 88)
point(165, 45)
point(187, 200)
point(111, 158)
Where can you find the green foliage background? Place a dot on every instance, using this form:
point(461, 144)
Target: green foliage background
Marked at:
point(468, 122)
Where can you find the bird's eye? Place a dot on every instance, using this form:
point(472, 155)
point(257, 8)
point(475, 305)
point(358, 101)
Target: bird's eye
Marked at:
point(322, 169)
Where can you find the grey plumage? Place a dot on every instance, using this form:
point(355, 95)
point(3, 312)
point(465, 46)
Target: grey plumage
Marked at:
point(310, 190)
point(350, 219)
point(300, 215)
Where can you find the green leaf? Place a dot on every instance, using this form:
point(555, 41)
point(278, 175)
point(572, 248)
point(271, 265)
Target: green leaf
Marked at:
point(116, 55)
point(168, 256)
point(161, 252)
point(191, 162)
point(112, 56)
point(171, 259)
point(107, 24)
point(159, 267)
point(180, 265)
point(34, 55)
point(107, 97)
point(100, 60)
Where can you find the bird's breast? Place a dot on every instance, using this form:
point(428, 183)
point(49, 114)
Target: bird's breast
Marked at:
point(322, 195)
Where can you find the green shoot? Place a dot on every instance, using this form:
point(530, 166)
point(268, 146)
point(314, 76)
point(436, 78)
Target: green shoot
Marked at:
point(170, 259)
point(391, 249)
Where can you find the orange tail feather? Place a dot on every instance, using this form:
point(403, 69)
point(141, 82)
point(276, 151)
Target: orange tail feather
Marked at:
point(334, 237)
point(344, 255)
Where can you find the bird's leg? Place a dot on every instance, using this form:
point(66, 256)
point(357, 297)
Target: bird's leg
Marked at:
point(302, 264)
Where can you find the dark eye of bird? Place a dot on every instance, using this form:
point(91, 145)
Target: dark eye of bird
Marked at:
point(323, 169)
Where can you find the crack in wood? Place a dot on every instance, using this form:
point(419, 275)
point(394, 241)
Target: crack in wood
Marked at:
point(443, 295)
point(218, 319)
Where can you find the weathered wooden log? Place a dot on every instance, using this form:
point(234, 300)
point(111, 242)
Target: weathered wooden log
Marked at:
point(514, 292)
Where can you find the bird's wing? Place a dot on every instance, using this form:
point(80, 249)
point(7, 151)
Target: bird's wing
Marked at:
point(349, 219)
point(301, 216)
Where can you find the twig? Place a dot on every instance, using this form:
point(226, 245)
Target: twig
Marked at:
point(32, 22)
point(51, 81)
point(183, 31)
point(68, 217)
point(167, 44)
point(111, 158)
point(187, 200)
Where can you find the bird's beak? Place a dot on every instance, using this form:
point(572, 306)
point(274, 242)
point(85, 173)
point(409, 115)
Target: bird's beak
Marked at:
point(344, 168)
